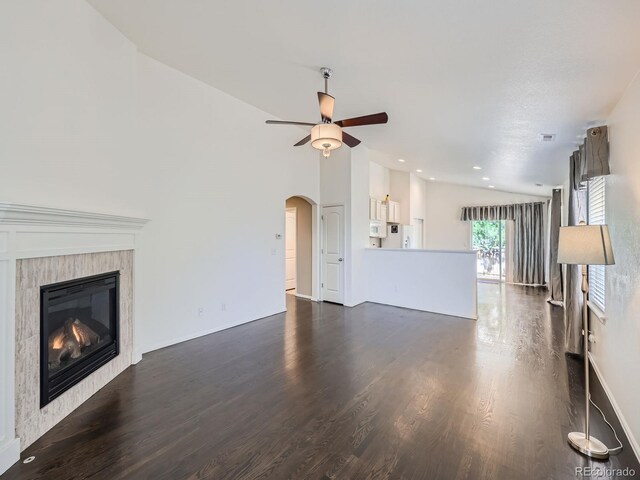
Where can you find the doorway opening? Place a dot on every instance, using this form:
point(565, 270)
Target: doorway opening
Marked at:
point(488, 238)
point(299, 247)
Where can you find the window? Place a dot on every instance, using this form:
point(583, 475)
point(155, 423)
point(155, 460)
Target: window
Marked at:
point(596, 196)
point(488, 238)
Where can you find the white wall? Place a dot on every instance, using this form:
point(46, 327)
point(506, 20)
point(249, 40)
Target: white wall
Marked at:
point(443, 227)
point(400, 190)
point(378, 181)
point(359, 226)
point(617, 349)
point(434, 281)
point(89, 123)
point(227, 194)
point(68, 95)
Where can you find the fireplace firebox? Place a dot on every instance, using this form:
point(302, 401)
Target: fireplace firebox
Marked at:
point(78, 331)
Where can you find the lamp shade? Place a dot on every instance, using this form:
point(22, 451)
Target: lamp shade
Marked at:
point(585, 245)
point(326, 136)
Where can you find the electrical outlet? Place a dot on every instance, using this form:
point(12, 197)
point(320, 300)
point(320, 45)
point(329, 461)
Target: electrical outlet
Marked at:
point(200, 312)
point(273, 252)
point(224, 307)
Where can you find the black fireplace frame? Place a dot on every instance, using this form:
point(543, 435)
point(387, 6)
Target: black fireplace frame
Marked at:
point(60, 382)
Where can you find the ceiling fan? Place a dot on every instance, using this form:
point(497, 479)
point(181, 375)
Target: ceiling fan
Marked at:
point(328, 135)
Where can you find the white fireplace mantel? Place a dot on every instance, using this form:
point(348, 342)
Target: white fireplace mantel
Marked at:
point(29, 231)
point(20, 214)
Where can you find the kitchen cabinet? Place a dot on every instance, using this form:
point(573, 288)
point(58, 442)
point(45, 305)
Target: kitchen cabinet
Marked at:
point(383, 211)
point(377, 210)
point(393, 211)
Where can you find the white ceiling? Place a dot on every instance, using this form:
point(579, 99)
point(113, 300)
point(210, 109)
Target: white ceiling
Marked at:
point(465, 83)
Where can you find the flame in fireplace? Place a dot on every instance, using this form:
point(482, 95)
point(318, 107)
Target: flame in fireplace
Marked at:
point(69, 341)
point(76, 334)
point(57, 340)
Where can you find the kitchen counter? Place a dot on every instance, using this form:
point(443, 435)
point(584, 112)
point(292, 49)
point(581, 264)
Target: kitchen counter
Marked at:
point(439, 281)
point(424, 250)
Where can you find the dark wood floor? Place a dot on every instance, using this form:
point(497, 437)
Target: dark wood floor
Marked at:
point(326, 392)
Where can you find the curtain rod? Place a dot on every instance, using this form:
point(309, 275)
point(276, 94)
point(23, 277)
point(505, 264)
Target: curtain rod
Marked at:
point(505, 205)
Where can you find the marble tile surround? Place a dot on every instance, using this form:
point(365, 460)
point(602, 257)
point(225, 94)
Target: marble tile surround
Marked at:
point(32, 421)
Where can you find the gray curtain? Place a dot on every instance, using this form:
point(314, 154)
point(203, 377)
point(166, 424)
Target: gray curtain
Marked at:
point(528, 254)
point(573, 293)
point(596, 150)
point(556, 295)
point(490, 212)
point(590, 160)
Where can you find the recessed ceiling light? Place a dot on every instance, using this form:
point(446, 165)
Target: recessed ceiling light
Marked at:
point(401, 160)
point(432, 178)
point(477, 168)
point(491, 186)
point(486, 179)
point(418, 170)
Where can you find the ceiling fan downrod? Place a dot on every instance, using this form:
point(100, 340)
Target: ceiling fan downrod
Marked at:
point(326, 73)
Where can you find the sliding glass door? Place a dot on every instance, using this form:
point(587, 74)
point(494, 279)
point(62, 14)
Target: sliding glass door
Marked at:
point(488, 238)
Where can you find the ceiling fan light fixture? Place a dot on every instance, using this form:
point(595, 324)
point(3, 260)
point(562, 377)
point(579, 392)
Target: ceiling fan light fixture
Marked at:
point(326, 137)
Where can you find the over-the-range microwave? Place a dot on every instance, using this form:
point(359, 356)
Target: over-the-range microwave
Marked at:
point(377, 229)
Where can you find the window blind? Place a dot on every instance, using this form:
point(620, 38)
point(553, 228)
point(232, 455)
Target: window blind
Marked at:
point(596, 215)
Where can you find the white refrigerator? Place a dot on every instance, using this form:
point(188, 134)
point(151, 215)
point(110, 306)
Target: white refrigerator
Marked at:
point(399, 236)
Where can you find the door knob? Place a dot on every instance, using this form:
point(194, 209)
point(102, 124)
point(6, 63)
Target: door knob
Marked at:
point(340, 259)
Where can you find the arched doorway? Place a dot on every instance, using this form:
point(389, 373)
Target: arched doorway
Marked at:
point(300, 245)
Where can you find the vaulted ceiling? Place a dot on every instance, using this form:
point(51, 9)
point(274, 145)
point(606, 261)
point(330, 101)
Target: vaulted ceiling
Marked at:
point(465, 83)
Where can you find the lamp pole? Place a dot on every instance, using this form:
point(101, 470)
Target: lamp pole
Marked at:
point(583, 442)
point(585, 339)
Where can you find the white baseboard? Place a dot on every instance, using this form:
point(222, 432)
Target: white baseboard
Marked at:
point(202, 333)
point(9, 454)
point(625, 426)
point(136, 357)
point(306, 297)
point(355, 304)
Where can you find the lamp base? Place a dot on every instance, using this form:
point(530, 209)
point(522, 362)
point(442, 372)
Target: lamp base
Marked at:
point(591, 448)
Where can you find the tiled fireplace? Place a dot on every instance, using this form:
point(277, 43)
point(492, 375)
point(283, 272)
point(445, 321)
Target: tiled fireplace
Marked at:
point(66, 314)
point(75, 294)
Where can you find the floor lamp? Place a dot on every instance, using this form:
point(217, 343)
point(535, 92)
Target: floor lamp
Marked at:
point(586, 245)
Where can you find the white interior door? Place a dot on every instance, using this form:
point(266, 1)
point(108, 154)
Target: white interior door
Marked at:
point(290, 240)
point(333, 239)
point(418, 232)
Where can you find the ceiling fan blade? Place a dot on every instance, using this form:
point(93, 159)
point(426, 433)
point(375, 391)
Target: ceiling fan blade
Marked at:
point(326, 102)
point(349, 140)
point(281, 122)
point(374, 119)
point(303, 141)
